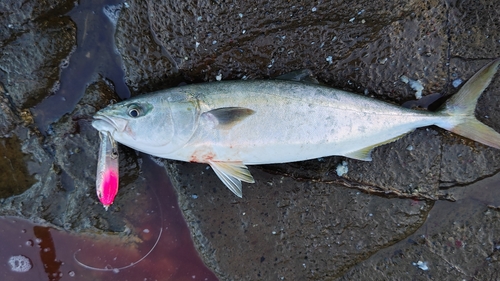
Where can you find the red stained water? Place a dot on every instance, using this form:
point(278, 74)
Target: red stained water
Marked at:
point(52, 251)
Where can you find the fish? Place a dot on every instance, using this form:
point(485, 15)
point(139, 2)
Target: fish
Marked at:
point(107, 179)
point(231, 124)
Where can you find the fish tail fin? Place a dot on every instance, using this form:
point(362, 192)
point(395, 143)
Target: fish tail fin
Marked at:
point(462, 105)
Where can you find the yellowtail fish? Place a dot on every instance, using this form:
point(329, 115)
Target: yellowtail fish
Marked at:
point(107, 170)
point(231, 124)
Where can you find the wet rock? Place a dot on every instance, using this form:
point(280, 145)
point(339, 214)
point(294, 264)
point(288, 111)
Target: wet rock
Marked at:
point(63, 165)
point(369, 45)
point(458, 241)
point(284, 228)
point(148, 65)
point(405, 172)
point(9, 114)
point(469, 37)
point(29, 70)
point(60, 165)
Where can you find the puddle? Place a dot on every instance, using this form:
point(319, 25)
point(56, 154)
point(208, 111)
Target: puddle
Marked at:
point(50, 253)
point(95, 54)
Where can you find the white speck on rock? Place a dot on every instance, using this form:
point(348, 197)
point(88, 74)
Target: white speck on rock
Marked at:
point(218, 77)
point(342, 169)
point(329, 59)
point(457, 82)
point(422, 265)
point(414, 84)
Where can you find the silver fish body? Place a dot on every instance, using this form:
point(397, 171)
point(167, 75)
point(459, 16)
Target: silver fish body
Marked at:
point(236, 123)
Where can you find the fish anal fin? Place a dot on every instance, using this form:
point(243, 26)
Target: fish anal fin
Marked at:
point(302, 75)
point(227, 117)
point(232, 174)
point(364, 153)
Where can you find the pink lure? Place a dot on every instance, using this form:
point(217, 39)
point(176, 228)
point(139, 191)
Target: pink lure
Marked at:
point(107, 170)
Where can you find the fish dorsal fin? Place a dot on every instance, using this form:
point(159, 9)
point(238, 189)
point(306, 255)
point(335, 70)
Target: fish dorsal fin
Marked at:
point(232, 174)
point(365, 154)
point(227, 117)
point(302, 75)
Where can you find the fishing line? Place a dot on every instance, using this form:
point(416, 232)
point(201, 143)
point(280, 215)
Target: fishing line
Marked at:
point(117, 269)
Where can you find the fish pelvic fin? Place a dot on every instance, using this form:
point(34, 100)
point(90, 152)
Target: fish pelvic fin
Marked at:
point(232, 174)
point(462, 105)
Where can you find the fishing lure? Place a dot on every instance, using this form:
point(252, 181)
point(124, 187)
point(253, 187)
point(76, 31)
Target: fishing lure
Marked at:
point(107, 170)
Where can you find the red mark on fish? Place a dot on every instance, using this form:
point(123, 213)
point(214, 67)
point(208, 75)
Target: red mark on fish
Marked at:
point(107, 178)
point(202, 156)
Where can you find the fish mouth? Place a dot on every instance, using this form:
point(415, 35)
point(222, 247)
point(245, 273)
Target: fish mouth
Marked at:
point(105, 123)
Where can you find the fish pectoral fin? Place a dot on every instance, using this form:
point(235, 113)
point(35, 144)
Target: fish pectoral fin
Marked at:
point(232, 174)
point(365, 154)
point(302, 75)
point(227, 117)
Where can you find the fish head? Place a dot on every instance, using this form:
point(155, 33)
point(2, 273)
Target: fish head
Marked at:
point(140, 123)
point(157, 123)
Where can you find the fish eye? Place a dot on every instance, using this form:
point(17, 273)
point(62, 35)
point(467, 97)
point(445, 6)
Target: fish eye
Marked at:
point(134, 111)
